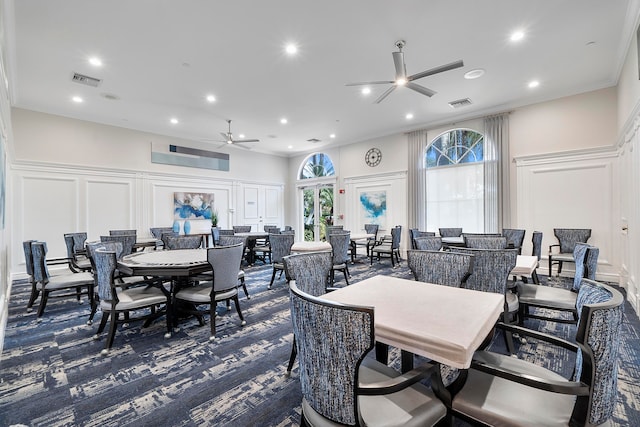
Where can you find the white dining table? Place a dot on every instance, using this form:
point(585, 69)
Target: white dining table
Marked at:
point(442, 323)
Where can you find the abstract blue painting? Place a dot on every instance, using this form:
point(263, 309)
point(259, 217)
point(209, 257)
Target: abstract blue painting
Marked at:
point(192, 205)
point(374, 207)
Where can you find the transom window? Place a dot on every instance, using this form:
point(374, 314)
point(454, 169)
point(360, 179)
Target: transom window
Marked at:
point(455, 147)
point(317, 166)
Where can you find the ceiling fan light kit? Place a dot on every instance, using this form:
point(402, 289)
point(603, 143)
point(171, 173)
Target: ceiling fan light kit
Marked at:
point(401, 78)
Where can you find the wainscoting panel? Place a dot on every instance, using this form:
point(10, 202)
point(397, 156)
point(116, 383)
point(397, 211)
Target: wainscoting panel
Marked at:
point(571, 190)
point(110, 206)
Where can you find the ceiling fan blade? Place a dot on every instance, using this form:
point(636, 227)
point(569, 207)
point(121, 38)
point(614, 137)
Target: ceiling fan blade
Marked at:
point(225, 136)
point(423, 90)
point(398, 60)
point(440, 69)
point(385, 94)
point(239, 141)
point(379, 82)
point(241, 146)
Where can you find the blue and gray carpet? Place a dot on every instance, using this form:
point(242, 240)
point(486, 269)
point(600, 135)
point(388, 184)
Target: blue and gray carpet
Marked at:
point(52, 373)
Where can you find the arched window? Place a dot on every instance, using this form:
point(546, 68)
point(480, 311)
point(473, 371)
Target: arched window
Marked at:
point(454, 164)
point(317, 166)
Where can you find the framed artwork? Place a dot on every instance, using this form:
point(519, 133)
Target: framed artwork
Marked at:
point(192, 205)
point(373, 207)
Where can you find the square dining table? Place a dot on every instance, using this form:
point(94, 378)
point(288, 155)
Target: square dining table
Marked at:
point(442, 323)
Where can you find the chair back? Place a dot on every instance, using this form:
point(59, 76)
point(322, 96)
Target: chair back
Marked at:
point(127, 240)
point(591, 262)
point(450, 232)
point(289, 231)
point(224, 232)
point(225, 262)
point(372, 229)
point(108, 246)
point(396, 234)
point(310, 270)
point(515, 237)
point(580, 258)
point(215, 235)
point(40, 270)
point(568, 237)
point(75, 243)
point(414, 234)
point(280, 246)
point(287, 228)
point(157, 232)
point(485, 242)
point(332, 340)
point(491, 268)
point(183, 242)
point(428, 243)
point(333, 228)
point(600, 313)
point(106, 263)
point(241, 228)
point(122, 232)
point(439, 267)
point(271, 229)
point(536, 241)
point(28, 257)
point(340, 243)
point(233, 240)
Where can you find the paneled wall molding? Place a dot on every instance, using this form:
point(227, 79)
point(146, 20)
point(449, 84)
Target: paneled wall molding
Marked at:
point(80, 170)
point(631, 126)
point(378, 177)
point(565, 156)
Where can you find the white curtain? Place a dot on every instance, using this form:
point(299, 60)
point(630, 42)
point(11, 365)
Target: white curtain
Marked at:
point(496, 175)
point(417, 181)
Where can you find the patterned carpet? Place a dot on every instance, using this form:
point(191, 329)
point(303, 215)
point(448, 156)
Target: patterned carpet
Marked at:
point(52, 373)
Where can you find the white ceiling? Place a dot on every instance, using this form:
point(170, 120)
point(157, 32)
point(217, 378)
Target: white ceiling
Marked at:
point(162, 57)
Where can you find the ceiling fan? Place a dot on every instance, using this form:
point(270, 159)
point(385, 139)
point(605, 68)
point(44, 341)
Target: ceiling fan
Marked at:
point(228, 139)
point(401, 75)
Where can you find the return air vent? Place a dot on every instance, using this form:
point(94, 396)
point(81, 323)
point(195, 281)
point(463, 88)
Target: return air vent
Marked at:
point(313, 140)
point(460, 103)
point(85, 80)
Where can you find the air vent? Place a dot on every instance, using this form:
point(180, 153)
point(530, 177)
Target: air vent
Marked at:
point(314, 140)
point(85, 80)
point(460, 103)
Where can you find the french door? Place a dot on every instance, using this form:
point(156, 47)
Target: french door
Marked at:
point(317, 210)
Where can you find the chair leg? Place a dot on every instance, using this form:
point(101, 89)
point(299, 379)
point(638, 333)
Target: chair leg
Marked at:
point(559, 268)
point(346, 275)
point(550, 266)
point(103, 323)
point(244, 288)
point(34, 295)
point(94, 306)
point(273, 277)
point(212, 320)
point(43, 304)
point(237, 303)
point(113, 325)
point(292, 358)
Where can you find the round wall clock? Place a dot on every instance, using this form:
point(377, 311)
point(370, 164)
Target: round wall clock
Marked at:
point(373, 157)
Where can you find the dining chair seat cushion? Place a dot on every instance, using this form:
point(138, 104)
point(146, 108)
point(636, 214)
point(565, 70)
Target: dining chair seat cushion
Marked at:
point(202, 293)
point(547, 296)
point(512, 301)
point(492, 400)
point(525, 265)
point(416, 404)
point(68, 280)
point(564, 257)
point(132, 298)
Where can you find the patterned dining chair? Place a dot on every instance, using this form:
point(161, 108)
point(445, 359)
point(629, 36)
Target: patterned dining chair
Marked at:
point(515, 237)
point(388, 247)
point(76, 253)
point(122, 232)
point(485, 241)
point(450, 231)
point(502, 390)
point(183, 242)
point(241, 228)
point(127, 240)
point(232, 241)
point(563, 251)
point(442, 268)
point(428, 243)
point(280, 248)
point(340, 243)
point(336, 377)
point(367, 243)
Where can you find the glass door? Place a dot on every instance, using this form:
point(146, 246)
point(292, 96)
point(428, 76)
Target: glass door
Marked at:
point(317, 211)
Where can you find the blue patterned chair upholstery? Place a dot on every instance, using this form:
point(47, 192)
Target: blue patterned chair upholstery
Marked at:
point(484, 241)
point(388, 247)
point(563, 251)
point(428, 243)
point(311, 272)
point(442, 268)
point(241, 228)
point(280, 248)
point(28, 263)
point(183, 242)
point(450, 231)
point(340, 245)
point(340, 384)
point(76, 253)
point(122, 232)
point(558, 299)
point(62, 285)
point(368, 243)
point(158, 231)
point(491, 268)
point(229, 240)
point(414, 234)
point(127, 241)
point(515, 237)
point(502, 390)
point(144, 301)
point(225, 263)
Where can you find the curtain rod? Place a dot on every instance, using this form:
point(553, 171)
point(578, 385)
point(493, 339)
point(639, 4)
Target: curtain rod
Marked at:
point(435, 125)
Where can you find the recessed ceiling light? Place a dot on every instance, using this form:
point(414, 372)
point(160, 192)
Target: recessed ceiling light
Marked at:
point(174, 121)
point(283, 121)
point(241, 136)
point(516, 36)
point(534, 83)
point(291, 49)
point(409, 116)
point(474, 74)
point(290, 147)
point(333, 135)
point(366, 90)
point(211, 98)
point(77, 99)
point(95, 61)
